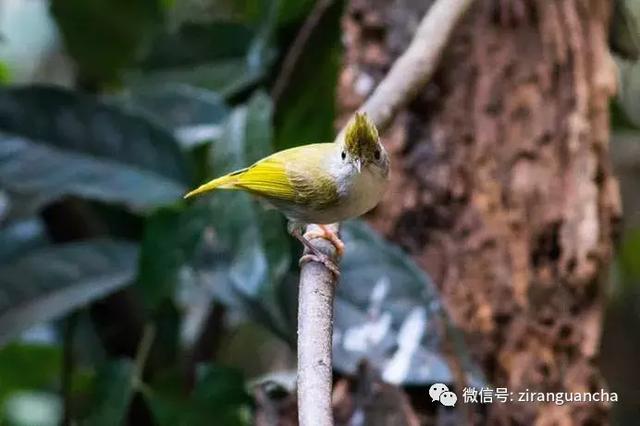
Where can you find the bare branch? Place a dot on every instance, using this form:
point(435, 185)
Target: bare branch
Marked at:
point(315, 328)
point(406, 78)
point(414, 68)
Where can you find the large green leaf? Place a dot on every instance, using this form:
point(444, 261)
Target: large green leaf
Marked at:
point(251, 247)
point(20, 237)
point(194, 42)
point(223, 57)
point(105, 36)
point(194, 115)
point(226, 76)
point(114, 390)
point(388, 312)
point(225, 244)
point(52, 281)
point(55, 143)
point(306, 110)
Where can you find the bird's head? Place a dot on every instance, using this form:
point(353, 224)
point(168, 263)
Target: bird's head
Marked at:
point(361, 145)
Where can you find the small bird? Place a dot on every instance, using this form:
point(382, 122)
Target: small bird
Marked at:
point(319, 183)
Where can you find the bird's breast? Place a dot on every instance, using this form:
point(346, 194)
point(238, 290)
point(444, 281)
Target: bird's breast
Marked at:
point(358, 193)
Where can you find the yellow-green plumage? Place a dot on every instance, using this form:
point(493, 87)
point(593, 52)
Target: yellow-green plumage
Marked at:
point(293, 175)
point(318, 183)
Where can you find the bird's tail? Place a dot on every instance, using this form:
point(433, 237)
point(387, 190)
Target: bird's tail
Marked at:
point(223, 182)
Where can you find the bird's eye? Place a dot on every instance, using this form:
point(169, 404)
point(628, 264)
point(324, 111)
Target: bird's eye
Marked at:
point(376, 154)
point(344, 155)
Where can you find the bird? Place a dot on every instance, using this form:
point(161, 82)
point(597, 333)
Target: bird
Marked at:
point(320, 183)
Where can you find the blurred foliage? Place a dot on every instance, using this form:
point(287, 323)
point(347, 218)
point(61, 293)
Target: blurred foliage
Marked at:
point(629, 258)
point(104, 36)
point(619, 349)
point(624, 35)
point(97, 245)
point(306, 111)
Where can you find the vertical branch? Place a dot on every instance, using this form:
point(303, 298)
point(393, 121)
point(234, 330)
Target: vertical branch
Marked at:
point(315, 330)
point(406, 78)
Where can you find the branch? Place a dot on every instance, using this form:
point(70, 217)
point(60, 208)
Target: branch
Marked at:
point(406, 78)
point(315, 328)
point(411, 71)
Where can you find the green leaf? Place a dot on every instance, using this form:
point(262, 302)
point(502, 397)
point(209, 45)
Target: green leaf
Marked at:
point(193, 114)
point(114, 390)
point(57, 143)
point(105, 36)
point(28, 366)
point(20, 237)
point(225, 242)
point(227, 76)
point(306, 110)
point(388, 311)
point(251, 244)
point(170, 238)
point(195, 42)
point(221, 56)
point(52, 281)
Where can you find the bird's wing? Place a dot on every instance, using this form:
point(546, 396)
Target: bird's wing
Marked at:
point(267, 177)
point(294, 175)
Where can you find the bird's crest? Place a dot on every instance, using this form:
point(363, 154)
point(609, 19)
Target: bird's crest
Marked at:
point(361, 136)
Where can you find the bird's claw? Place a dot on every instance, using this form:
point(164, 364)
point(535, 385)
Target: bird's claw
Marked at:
point(323, 259)
point(323, 232)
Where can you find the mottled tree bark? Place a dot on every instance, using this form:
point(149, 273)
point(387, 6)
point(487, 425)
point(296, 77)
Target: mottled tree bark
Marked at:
point(501, 184)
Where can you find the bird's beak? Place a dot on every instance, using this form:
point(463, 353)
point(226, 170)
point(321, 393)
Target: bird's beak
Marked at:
point(358, 163)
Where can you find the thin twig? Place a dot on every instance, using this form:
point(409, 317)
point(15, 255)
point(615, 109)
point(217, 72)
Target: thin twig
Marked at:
point(296, 49)
point(144, 347)
point(406, 78)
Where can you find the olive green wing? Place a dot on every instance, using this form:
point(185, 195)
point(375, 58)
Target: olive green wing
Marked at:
point(294, 175)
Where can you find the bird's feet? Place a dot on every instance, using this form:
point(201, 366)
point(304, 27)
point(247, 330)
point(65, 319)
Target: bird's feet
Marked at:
point(314, 254)
point(322, 231)
point(321, 258)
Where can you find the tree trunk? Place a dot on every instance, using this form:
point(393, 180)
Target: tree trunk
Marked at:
point(502, 187)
